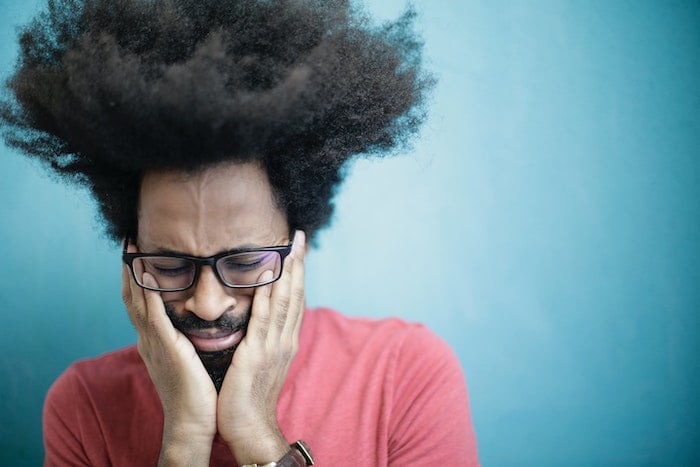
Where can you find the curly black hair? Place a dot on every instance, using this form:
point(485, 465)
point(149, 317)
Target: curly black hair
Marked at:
point(105, 90)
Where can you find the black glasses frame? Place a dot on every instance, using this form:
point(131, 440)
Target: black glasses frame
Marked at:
point(282, 250)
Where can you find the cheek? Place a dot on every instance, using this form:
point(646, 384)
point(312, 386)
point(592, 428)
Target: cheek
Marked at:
point(244, 300)
point(175, 299)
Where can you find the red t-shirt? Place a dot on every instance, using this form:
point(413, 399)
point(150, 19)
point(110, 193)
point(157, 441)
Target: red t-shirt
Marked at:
point(359, 392)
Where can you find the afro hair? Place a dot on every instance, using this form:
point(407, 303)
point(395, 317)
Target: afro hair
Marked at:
point(105, 90)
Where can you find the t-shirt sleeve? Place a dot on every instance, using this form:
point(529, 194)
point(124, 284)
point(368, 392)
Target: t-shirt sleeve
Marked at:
point(430, 422)
point(65, 421)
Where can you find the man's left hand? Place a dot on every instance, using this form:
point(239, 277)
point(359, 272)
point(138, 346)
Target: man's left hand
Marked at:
point(247, 405)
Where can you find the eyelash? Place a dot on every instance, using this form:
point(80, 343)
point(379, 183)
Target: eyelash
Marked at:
point(172, 271)
point(245, 266)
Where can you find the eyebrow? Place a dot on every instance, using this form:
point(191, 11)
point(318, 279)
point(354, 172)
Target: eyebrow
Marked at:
point(238, 249)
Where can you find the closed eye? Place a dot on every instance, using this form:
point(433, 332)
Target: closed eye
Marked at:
point(241, 266)
point(246, 261)
point(168, 266)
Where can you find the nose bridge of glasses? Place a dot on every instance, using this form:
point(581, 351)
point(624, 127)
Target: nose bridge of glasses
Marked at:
point(206, 264)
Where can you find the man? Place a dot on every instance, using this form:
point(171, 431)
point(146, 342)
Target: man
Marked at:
point(213, 135)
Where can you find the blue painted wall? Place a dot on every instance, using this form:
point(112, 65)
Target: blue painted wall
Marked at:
point(546, 225)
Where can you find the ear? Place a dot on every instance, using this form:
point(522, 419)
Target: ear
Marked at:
point(129, 245)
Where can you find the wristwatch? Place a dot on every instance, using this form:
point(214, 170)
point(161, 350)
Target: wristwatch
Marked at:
point(299, 455)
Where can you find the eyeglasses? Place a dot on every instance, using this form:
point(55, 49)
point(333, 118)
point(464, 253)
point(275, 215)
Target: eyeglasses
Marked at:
point(235, 269)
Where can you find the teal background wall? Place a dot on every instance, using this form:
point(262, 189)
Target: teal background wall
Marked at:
point(546, 225)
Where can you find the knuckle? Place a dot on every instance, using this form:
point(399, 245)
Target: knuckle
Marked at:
point(292, 350)
point(135, 315)
point(281, 319)
point(153, 325)
point(287, 355)
point(283, 298)
point(289, 262)
point(298, 294)
point(282, 309)
point(263, 318)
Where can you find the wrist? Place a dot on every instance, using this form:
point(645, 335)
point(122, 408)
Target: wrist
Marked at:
point(174, 454)
point(256, 449)
point(182, 447)
point(181, 427)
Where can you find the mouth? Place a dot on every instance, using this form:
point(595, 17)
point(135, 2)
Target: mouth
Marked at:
point(215, 340)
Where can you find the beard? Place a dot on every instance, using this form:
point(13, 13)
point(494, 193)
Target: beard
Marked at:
point(216, 363)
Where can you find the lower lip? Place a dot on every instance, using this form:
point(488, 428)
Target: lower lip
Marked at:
point(218, 343)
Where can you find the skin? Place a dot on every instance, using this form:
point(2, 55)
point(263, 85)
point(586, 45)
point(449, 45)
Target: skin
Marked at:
point(221, 208)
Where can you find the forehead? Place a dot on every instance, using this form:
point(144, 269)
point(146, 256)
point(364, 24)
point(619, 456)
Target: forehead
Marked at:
point(211, 210)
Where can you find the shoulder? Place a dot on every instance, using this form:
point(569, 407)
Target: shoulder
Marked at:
point(87, 381)
point(356, 333)
point(329, 321)
point(117, 367)
point(125, 360)
point(329, 338)
point(100, 404)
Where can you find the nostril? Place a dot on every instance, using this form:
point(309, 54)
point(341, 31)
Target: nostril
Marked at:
point(210, 298)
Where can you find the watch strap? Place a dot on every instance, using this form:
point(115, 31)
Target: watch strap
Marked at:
point(298, 456)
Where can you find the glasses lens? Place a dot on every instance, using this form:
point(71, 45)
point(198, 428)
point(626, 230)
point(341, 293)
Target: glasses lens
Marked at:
point(169, 273)
point(246, 268)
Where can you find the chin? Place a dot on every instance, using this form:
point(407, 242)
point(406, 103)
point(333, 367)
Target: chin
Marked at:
point(217, 364)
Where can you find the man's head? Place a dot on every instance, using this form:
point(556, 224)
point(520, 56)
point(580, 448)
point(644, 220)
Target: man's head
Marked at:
point(109, 92)
point(224, 208)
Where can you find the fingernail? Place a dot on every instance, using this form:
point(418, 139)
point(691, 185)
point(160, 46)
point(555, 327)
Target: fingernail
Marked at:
point(149, 280)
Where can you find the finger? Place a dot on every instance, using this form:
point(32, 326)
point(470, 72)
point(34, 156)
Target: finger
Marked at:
point(288, 294)
point(146, 309)
point(299, 248)
point(156, 316)
point(298, 299)
point(132, 295)
point(260, 311)
point(273, 305)
point(281, 298)
point(126, 288)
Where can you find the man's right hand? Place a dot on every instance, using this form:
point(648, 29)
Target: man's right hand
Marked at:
point(186, 390)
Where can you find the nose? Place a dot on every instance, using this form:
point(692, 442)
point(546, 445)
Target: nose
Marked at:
point(209, 298)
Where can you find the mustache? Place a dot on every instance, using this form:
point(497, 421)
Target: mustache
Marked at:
point(190, 321)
